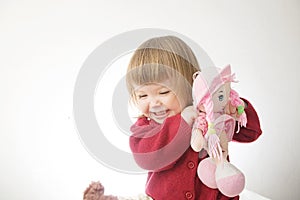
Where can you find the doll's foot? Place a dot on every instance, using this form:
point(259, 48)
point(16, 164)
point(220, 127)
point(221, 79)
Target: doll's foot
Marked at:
point(206, 172)
point(230, 180)
point(95, 191)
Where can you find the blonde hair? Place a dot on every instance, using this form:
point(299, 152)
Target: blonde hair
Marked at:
point(163, 58)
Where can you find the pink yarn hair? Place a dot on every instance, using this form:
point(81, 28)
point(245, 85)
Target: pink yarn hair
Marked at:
point(236, 102)
point(213, 140)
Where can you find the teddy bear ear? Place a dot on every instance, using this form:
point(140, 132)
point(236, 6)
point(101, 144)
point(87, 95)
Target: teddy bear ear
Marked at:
point(196, 74)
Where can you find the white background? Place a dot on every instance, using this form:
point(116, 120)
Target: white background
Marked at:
point(44, 43)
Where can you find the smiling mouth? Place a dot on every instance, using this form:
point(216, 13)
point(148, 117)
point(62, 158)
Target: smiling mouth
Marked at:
point(160, 114)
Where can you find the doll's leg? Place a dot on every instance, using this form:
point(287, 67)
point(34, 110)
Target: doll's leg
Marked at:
point(224, 144)
point(95, 191)
point(206, 172)
point(230, 180)
point(207, 167)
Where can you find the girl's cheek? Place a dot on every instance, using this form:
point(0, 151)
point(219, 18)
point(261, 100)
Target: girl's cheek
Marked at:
point(142, 106)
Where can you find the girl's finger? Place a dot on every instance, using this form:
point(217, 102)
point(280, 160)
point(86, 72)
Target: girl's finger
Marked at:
point(226, 109)
point(232, 109)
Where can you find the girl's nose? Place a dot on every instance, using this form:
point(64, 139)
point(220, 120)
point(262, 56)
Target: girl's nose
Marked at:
point(155, 102)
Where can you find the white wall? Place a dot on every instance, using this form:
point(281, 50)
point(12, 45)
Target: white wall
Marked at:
point(44, 43)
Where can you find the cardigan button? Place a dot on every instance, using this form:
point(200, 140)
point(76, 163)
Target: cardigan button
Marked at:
point(188, 195)
point(191, 165)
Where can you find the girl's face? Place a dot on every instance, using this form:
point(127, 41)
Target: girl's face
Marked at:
point(157, 101)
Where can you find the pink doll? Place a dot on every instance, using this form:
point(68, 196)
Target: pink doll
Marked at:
point(213, 129)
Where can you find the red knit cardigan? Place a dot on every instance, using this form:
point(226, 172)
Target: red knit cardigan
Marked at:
point(164, 150)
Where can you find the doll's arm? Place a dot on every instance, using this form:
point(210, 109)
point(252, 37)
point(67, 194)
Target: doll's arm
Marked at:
point(199, 128)
point(156, 147)
point(252, 131)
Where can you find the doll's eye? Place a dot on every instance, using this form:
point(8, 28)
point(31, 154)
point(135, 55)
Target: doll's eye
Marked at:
point(221, 97)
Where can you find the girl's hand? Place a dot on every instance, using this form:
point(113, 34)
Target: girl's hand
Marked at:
point(232, 110)
point(189, 114)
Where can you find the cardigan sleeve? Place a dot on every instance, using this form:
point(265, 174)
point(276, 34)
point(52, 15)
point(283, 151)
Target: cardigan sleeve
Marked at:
point(252, 130)
point(156, 147)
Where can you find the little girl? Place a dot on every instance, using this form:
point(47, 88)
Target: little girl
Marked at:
point(159, 80)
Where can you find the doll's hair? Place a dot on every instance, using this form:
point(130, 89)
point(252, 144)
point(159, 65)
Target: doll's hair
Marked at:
point(163, 58)
point(238, 103)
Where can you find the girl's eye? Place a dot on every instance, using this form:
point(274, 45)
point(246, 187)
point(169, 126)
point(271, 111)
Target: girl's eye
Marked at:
point(221, 97)
point(165, 92)
point(142, 96)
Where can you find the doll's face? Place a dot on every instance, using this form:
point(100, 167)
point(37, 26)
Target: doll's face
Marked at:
point(220, 98)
